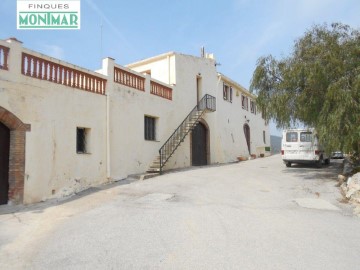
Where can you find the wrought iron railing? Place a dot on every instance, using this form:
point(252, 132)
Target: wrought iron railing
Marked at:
point(206, 104)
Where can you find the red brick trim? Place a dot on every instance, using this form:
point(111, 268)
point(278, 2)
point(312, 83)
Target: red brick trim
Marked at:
point(17, 154)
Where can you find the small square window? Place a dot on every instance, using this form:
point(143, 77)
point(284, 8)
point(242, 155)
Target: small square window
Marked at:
point(82, 140)
point(150, 128)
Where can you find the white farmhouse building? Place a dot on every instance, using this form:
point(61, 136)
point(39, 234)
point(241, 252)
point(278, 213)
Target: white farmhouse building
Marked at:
point(64, 128)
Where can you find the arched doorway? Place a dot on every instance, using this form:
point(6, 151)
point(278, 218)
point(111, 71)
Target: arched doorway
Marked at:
point(12, 164)
point(247, 136)
point(199, 145)
point(4, 163)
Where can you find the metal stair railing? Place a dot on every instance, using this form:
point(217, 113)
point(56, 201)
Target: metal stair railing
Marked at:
point(206, 104)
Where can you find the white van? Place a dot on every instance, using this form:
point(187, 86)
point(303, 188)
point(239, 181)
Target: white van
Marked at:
point(302, 146)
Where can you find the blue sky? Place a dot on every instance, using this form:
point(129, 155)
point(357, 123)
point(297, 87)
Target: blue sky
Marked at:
point(238, 32)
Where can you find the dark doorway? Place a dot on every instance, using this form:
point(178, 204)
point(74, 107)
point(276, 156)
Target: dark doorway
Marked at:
point(247, 136)
point(4, 163)
point(199, 145)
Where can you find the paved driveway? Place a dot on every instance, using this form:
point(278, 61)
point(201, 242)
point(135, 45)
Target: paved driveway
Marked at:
point(256, 214)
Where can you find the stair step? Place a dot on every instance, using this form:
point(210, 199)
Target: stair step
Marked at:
point(153, 165)
point(179, 135)
point(153, 170)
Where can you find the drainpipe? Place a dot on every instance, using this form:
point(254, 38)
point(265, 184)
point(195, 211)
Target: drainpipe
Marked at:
point(168, 58)
point(108, 69)
point(108, 156)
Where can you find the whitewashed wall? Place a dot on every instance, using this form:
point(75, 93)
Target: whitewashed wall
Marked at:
point(118, 147)
point(231, 117)
point(130, 153)
point(53, 168)
point(227, 138)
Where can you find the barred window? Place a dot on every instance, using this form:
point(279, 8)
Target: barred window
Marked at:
point(82, 140)
point(252, 107)
point(227, 92)
point(245, 102)
point(149, 128)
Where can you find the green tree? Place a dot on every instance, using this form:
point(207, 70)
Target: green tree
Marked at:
point(318, 84)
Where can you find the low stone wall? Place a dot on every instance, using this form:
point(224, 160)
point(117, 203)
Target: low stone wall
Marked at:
point(350, 184)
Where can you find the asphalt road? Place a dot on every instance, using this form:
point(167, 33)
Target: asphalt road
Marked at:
point(255, 214)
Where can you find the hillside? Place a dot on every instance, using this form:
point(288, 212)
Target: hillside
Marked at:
point(275, 143)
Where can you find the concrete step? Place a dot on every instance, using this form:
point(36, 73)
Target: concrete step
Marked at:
point(153, 170)
point(142, 176)
point(155, 164)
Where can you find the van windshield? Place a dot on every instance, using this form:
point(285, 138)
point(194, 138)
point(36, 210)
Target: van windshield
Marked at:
point(305, 136)
point(291, 136)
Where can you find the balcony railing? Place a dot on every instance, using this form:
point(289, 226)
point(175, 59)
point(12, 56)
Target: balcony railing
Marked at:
point(129, 79)
point(4, 53)
point(160, 90)
point(42, 69)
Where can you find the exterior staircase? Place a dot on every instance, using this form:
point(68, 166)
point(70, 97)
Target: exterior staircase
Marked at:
point(206, 104)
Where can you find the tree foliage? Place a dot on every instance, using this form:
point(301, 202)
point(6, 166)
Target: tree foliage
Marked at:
point(318, 84)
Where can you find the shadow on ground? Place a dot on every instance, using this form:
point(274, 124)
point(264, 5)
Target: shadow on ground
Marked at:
point(310, 172)
point(41, 206)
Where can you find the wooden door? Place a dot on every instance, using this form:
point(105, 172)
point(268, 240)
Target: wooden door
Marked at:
point(199, 145)
point(4, 163)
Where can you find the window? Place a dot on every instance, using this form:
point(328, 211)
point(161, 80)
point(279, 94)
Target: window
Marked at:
point(291, 137)
point(149, 128)
point(252, 107)
point(263, 114)
point(82, 140)
point(305, 136)
point(227, 92)
point(264, 136)
point(245, 102)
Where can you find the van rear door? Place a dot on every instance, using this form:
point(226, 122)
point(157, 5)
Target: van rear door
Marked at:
point(290, 145)
point(306, 145)
point(298, 145)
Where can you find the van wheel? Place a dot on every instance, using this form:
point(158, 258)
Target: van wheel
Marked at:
point(319, 163)
point(288, 164)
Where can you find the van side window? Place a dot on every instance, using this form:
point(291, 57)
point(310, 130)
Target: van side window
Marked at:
point(291, 136)
point(305, 136)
